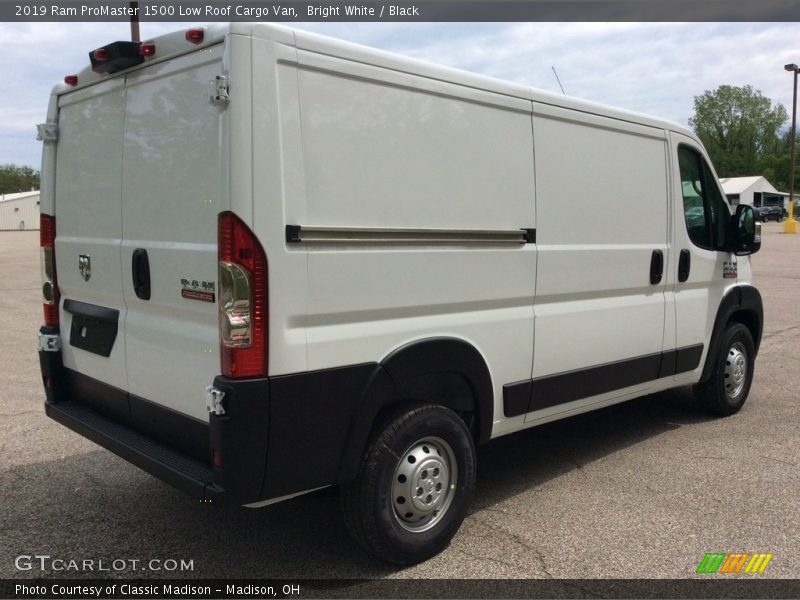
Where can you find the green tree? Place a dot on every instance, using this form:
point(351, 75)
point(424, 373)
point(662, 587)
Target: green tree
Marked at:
point(741, 129)
point(14, 178)
point(775, 165)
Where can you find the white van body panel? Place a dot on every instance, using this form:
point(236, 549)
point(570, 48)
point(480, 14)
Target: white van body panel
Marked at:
point(456, 159)
point(277, 194)
point(356, 306)
point(601, 215)
point(173, 189)
point(88, 182)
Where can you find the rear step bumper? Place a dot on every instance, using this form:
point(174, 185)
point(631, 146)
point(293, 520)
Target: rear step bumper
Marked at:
point(278, 436)
point(221, 459)
point(186, 474)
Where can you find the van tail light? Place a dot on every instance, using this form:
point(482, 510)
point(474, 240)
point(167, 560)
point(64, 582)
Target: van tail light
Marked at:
point(50, 293)
point(243, 299)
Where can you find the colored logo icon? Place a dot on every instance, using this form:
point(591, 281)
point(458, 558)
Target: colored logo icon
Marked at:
point(734, 562)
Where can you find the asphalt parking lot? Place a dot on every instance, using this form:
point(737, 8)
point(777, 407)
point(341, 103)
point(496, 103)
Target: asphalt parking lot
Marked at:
point(642, 489)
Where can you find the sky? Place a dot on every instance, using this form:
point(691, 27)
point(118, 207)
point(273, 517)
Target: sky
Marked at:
point(653, 68)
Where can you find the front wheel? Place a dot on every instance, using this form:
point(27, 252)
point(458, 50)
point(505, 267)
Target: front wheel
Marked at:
point(726, 390)
point(415, 484)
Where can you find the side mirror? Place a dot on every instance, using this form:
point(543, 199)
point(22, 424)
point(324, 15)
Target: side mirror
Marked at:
point(745, 232)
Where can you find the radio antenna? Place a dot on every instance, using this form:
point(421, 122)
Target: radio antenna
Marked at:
point(559, 81)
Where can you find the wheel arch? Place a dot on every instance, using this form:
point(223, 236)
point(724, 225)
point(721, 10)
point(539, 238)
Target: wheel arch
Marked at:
point(449, 371)
point(742, 304)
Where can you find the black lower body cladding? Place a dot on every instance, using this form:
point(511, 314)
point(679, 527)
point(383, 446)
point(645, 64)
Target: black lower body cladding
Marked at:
point(278, 435)
point(312, 416)
point(239, 438)
point(309, 417)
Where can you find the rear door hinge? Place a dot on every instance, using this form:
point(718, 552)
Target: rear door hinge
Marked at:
point(49, 342)
point(219, 94)
point(214, 400)
point(47, 132)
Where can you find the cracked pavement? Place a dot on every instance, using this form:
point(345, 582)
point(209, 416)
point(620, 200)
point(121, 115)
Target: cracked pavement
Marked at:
point(642, 489)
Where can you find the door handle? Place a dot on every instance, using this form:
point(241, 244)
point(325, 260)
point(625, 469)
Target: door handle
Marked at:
point(684, 265)
point(656, 267)
point(140, 271)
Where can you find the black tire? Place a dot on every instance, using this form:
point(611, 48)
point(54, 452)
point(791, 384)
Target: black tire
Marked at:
point(726, 390)
point(370, 504)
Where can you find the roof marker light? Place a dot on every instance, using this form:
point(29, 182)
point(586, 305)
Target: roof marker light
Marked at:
point(101, 54)
point(71, 80)
point(195, 36)
point(147, 49)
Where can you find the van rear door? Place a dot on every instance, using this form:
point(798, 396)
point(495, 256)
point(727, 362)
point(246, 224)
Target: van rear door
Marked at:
point(88, 191)
point(173, 188)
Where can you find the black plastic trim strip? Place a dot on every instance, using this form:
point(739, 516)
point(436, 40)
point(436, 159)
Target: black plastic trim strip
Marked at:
point(434, 356)
point(742, 304)
point(688, 358)
point(92, 311)
point(94, 328)
point(293, 234)
point(310, 417)
point(516, 397)
point(583, 383)
point(545, 392)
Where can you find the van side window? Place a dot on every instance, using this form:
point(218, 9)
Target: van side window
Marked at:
point(704, 208)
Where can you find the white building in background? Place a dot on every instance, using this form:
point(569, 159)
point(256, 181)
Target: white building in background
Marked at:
point(755, 191)
point(19, 211)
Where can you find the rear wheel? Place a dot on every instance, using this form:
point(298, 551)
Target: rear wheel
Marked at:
point(415, 484)
point(726, 390)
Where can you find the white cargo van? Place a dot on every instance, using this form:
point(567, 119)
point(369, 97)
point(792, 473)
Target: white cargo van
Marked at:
point(275, 262)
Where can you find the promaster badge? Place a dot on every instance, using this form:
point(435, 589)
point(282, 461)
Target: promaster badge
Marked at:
point(198, 290)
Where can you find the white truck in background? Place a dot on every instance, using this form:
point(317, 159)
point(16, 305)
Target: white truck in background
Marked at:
point(274, 262)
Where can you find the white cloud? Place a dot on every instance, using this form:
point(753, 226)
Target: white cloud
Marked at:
point(656, 68)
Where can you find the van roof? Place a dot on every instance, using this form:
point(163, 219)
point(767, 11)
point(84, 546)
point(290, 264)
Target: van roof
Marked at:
point(174, 44)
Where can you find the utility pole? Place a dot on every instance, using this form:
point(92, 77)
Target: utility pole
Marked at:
point(791, 225)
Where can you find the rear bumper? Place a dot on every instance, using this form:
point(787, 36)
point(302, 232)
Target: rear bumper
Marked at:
point(278, 436)
point(222, 459)
point(180, 471)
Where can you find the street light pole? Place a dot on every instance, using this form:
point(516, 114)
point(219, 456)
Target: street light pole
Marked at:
point(791, 226)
